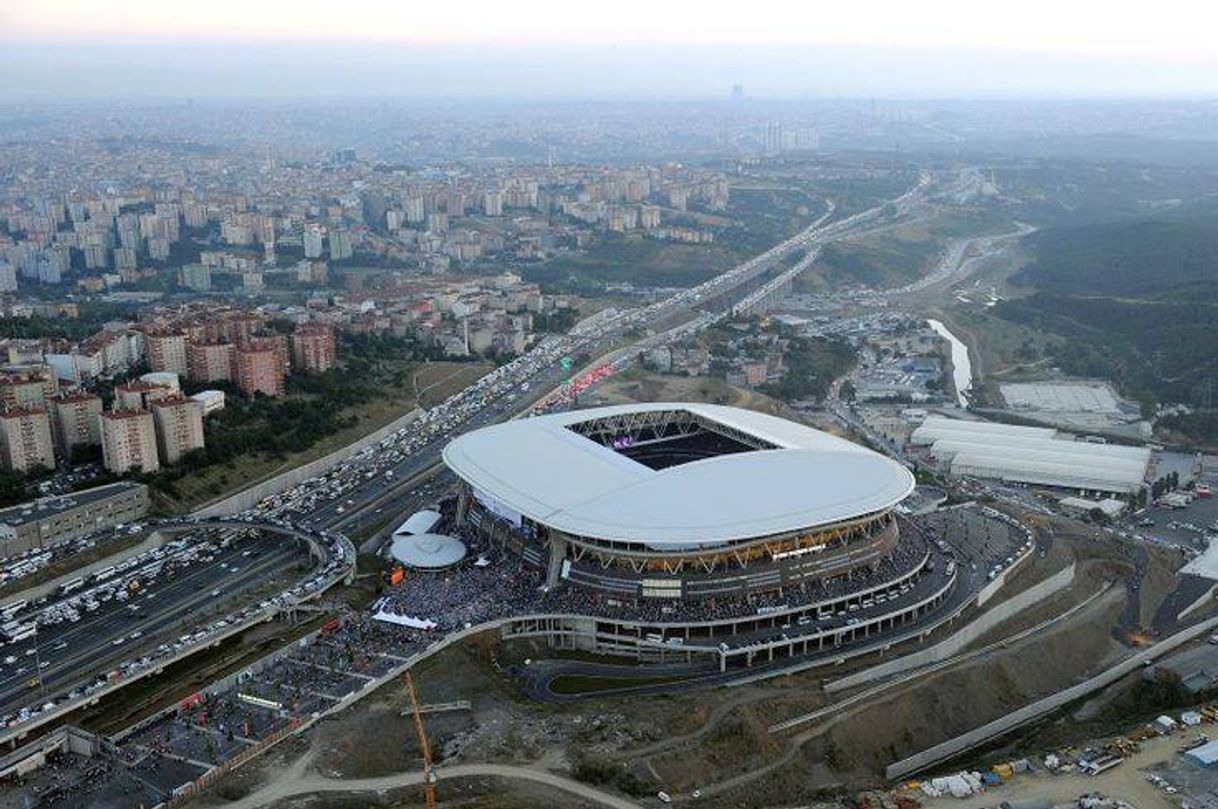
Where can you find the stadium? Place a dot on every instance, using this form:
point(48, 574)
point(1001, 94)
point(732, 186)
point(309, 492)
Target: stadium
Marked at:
point(701, 497)
point(704, 527)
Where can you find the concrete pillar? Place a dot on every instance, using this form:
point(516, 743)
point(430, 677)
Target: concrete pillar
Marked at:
point(558, 552)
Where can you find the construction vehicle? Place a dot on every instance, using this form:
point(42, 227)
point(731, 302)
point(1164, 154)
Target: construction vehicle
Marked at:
point(429, 778)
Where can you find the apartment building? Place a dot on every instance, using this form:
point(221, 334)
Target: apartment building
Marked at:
point(129, 441)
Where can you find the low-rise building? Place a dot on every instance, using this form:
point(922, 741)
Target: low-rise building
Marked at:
point(139, 395)
point(52, 521)
point(208, 401)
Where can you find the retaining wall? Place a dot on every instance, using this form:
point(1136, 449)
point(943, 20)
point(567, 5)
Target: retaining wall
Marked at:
point(1029, 713)
point(967, 634)
point(246, 498)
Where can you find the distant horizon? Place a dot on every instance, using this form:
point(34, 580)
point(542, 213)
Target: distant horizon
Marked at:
point(45, 69)
point(526, 99)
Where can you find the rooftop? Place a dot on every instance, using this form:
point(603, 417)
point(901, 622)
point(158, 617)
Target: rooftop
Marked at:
point(47, 506)
point(757, 475)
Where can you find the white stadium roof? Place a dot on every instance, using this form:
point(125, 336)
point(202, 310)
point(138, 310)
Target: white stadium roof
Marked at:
point(538, 468)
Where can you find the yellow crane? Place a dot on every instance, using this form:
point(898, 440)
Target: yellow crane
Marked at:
point(429, 778)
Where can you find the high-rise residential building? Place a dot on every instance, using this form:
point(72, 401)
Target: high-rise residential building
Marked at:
point(259, 369)
point(340, 245)
point(167, 352)
point(124, 258)
point(415, 210)
point(314, 240)
point(314, 348)
point(196, 277)
point(210, 362)
point(140, 395)
point(8, 277)
point(128, 439)
point(29, 385)
point(75, 420)
point(492, 203)
point(279, 344)
point(437, 222)
point(179, 427)
point(25, 439)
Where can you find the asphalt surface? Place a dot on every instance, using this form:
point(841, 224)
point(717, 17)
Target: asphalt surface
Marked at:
point(385, 497)
point(72, 654)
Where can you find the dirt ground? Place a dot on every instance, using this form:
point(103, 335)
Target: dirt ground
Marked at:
point(1126, 782)
point(463, 793)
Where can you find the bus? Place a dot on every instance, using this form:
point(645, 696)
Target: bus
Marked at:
point(69, 586)
point(23, 633)
point(9, 610)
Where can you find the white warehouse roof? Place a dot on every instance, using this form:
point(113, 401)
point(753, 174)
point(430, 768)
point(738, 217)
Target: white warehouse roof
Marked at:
point(1034, 455)
point(538, 468)
point(936, 427)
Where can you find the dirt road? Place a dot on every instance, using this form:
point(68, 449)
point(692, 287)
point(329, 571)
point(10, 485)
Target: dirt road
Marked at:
point(293, 783)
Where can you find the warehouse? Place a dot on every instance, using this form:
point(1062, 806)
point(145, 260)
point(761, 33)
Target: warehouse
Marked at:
point(1040, 456)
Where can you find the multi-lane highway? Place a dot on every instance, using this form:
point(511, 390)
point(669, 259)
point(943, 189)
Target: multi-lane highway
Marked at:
point(128, 620)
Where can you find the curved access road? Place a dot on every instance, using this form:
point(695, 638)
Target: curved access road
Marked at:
point(292, 784)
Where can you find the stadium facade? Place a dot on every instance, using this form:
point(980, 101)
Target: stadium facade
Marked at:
point(706, 528)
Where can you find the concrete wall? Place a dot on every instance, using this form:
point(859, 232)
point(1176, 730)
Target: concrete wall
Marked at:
point(1029, 713)
point(246, 498)
point(993, 586)
point(957, 642)
point(991, 589)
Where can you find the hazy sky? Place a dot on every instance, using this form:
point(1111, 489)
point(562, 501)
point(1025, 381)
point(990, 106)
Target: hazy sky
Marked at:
point(620, 48)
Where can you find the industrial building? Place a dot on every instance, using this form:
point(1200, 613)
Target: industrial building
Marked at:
point(55, 520)
point(1040, 456)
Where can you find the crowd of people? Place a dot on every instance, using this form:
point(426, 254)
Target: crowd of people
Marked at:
point(70, 780)
point(501, 585)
